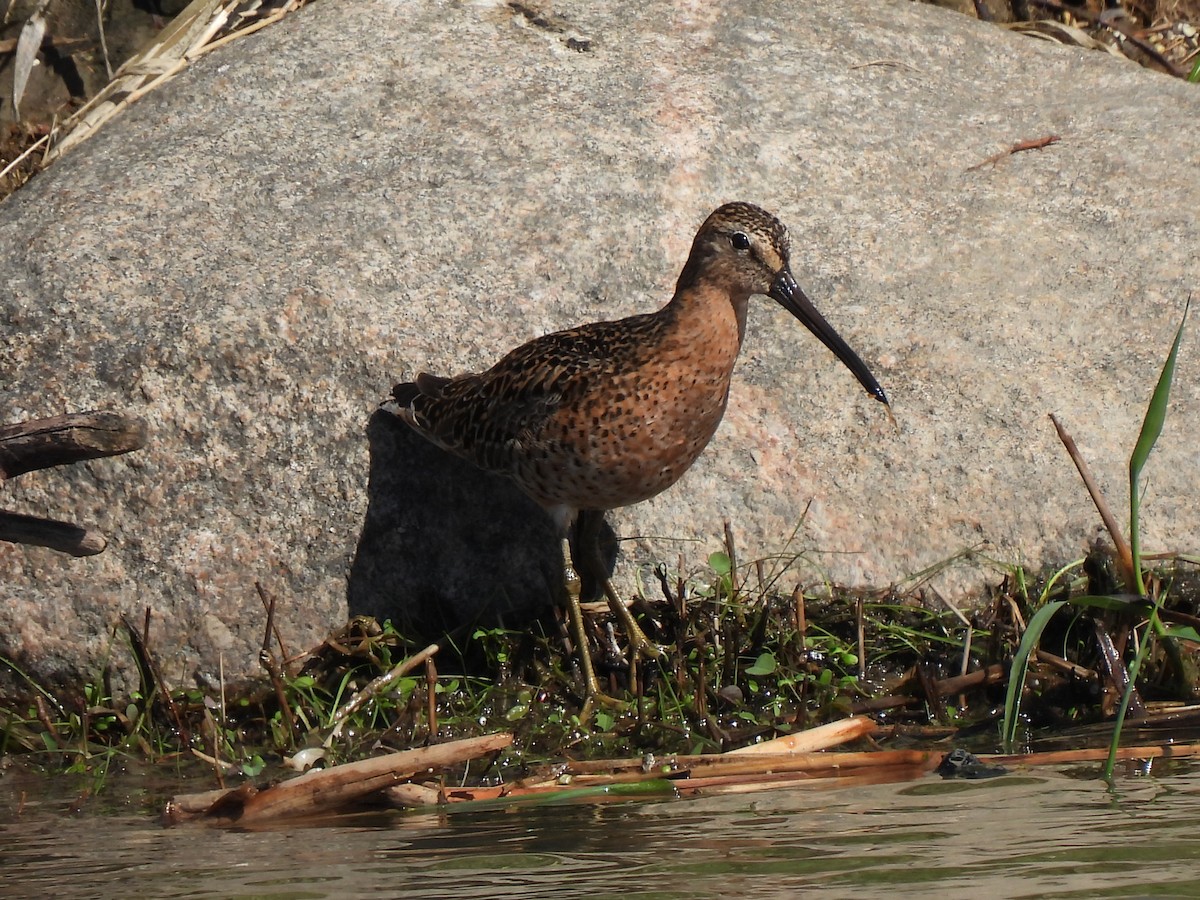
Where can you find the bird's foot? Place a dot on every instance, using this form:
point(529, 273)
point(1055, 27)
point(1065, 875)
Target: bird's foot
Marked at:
point(591, 684)
point(638, 642)
point(598, 698)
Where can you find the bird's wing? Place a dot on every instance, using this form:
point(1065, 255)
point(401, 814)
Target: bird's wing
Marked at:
point(493, 416)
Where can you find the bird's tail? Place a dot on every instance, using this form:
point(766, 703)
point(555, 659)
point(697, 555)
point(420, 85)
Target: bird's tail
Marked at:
point(403, 394)
point(402, 403)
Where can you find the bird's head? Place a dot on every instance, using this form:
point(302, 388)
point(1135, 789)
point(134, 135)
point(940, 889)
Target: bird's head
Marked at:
point(745, 250)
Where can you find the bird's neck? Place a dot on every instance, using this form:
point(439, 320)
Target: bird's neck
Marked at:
point(707, 309)
point(706, 322)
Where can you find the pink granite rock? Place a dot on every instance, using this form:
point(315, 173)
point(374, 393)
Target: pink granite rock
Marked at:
point(251, 256)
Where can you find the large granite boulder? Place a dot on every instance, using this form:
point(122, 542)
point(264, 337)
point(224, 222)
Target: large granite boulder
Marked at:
point(252, 255)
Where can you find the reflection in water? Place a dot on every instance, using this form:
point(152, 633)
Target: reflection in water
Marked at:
point(1039, 834)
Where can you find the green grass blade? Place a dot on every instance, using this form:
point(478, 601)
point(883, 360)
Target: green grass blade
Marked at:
point(1116, 603)
point(1020, 664)
point(1182, 633)
point(1152, 425)
point(18, 671)
point(1135, 668)
point(1156, 412)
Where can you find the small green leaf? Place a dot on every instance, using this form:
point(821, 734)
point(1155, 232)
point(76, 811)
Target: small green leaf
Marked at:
point(719, 563)
point(764, 665)
point(1183, 633)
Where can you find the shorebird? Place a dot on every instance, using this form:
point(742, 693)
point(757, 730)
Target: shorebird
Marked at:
point(609, 414)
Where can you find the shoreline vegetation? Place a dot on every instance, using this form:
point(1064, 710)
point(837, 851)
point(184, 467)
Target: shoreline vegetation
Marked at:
point(783, 678)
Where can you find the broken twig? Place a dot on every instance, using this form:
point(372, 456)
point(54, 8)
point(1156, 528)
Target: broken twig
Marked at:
point(1124, 553)
point(1018, 147)
point(56, 441)
point(326, 791)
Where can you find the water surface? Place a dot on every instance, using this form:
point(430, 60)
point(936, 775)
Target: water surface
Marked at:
point(1034, 833)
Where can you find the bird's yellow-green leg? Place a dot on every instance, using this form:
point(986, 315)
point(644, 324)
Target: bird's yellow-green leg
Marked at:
point(591, 684)
point(638, 642)
point(589, 565)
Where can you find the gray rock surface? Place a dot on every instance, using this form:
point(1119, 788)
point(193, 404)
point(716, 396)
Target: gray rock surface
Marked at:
point(251, 256)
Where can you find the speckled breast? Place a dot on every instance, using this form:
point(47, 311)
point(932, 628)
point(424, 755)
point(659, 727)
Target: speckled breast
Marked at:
point(631, 435)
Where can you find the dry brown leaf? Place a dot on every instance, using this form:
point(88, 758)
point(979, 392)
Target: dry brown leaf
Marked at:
point(28, 45)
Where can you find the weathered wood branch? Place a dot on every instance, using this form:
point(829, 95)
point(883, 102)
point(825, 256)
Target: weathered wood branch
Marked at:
point(58, 440)
point(812, 739)
point(325, 791)
point(61, 536)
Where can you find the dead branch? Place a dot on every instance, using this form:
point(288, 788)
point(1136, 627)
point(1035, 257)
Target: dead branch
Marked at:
point(154, 687)
point(61, 536)
point(376, 687)
point(325, 791)
point(1124, 554)
point(57, 441)
point(1018, 147)
point(818, 738)
point(959, 683)
point(728, 773)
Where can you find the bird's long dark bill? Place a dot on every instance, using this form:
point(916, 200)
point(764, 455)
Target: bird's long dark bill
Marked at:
point(789, 295)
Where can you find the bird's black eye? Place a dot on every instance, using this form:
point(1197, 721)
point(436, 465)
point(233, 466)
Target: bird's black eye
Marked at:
point(740, 240)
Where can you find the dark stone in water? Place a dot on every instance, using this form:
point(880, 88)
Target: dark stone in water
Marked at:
point(961, 764)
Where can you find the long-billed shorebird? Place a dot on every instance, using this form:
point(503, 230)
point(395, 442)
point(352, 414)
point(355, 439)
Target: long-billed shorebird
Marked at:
point(611, 413)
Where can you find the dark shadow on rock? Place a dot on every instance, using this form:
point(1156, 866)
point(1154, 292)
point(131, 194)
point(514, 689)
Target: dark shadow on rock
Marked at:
point(447, 546)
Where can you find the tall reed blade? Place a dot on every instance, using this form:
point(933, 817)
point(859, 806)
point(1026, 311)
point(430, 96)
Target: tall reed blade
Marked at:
point(1152, 425)
point(1016, 674)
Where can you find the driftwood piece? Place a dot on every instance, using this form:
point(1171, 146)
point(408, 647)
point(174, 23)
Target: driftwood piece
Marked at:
point(57, 441)
point(329, 791)
point(61, 536)
point(325, 791)
point(818, 738)
point(691, 776)
point(1098, 754)
point(721, 764)
point(688, 776)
